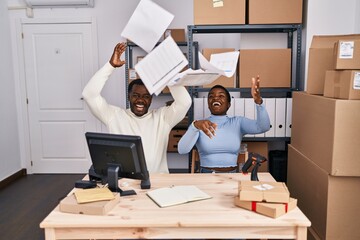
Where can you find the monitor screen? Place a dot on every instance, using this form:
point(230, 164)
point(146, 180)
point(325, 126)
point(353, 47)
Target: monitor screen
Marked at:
point(120, 153)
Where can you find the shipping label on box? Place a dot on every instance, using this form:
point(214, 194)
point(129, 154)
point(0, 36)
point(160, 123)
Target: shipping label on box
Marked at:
point(347, 54)
point(273, 210)
point(274, 192)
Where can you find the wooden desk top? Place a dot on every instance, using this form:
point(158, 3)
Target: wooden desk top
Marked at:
point(139, 211)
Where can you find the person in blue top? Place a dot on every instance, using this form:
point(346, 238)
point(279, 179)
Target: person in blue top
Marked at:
point(218, 137)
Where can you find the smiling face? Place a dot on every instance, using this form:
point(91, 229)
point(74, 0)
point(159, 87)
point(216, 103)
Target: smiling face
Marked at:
point(218, 101)
point(140, 100)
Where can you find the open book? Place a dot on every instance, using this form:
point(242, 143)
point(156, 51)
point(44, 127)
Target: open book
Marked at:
point(169, 196)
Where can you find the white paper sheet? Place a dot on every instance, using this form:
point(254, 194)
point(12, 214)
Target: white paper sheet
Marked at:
point(220, 64)
point(147, 24)
point(160, 65)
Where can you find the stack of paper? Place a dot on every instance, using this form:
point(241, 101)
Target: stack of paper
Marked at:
point(161, 66)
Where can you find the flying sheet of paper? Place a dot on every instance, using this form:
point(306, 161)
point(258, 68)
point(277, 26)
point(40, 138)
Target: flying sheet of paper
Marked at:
point(160, 65)
point(147, 24)
point(220, 64)
point(192, 77)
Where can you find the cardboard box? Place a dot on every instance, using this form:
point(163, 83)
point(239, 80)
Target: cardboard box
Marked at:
point(174, 138)
point(347, 54)
point(342, 84)
point(177, 34)
point(273, 210)
point(273, 192)
point(273, 66)
point(222, 80)
point(327, 131)
point(260, 148)
point(70, 205)
point(208, 12)
point(331, 203)
point(321, 59)
point(275, 11)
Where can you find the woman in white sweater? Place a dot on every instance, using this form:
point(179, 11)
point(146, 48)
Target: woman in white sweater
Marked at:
point(153, 126)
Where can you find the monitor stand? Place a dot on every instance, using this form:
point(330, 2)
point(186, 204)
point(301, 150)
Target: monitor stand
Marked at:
point(113, 182)
point(145, 184)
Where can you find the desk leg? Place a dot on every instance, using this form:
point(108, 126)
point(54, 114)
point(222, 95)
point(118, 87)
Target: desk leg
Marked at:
point(50, 234)
point(301, 233)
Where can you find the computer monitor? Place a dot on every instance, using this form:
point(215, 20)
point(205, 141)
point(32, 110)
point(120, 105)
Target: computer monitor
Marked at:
point(117, 156)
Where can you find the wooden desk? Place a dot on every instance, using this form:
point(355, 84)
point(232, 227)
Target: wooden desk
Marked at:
point(138, 216)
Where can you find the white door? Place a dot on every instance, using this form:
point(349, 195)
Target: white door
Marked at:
point(59, 60)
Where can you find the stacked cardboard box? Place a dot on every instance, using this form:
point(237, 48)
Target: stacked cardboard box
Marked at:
point(271, 199)
point(328, 53)
point(323, 167)
point(209, 12)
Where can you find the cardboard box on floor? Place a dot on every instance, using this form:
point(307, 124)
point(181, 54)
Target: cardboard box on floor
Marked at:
point(208, 12)
point(273, 210)
point(327, 131)
point(347, 54)
point(260, 148)
point(222, 80)
point(331, 203)
point(321, 59)
point(271, 192)
point(343, 84)
point(70, 205)
point(273, 66)
point(275, 11)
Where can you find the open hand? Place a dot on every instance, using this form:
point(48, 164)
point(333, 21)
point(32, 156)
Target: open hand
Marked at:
point(255, 90)
point(115, 60)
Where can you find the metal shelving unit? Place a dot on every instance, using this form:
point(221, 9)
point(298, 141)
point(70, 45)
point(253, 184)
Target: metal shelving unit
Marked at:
point(269, 28)
point(245, 92)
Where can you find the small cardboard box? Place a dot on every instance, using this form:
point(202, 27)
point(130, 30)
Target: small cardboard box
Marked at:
point(273, 192)
point(322, 59)
point(273, 66)
point(347, 54)
point(342, 84)
point(326, 130)
point(222, 80)
point(273, 210)
point(331, 203)
point(70, 205)
point(209, 12)
point(174, 138)
point(177, 34)
point(275, 11)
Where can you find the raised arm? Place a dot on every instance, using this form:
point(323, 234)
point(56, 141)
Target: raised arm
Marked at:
point(91, 93)
point(262, 122)
point(178, 109)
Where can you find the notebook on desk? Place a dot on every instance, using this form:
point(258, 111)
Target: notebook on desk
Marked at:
point(170, 196)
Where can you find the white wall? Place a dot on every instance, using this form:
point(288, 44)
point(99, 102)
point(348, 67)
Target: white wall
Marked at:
point(323, 17)
point(9, 141)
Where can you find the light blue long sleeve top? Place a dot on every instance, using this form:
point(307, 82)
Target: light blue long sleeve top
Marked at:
point(222, 149)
